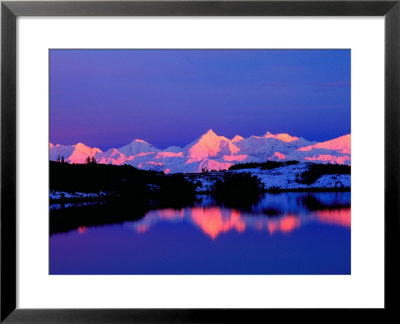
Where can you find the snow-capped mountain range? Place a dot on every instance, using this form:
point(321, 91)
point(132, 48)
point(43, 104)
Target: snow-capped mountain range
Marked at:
point(211, 152)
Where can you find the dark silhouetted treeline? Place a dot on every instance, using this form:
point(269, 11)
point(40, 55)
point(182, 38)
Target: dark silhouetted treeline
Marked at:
point(124, 181)
point(111, 212)
point(269, 165)
point(134, 193)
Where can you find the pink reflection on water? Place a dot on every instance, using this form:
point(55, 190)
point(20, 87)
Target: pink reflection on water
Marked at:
point(340, 217)
point(285, 224)
point(170, 213)
point(142, 228)
point(214, 221)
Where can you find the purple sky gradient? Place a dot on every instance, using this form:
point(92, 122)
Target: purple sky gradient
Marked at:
point(106, 98)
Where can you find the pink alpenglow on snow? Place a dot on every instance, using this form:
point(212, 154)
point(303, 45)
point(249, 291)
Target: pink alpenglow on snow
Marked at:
point(210, 145)
point(283, 137)
point(211, 152)
point(235, 158)
point(113, 156)
point(277, 156)
point(341, 144)
point(237, 138)
point(337, 151)
point(163, 155)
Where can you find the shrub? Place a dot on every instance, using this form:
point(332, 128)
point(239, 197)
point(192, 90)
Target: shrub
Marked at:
point(238, 190)
point(268, 165)
point(240, 166)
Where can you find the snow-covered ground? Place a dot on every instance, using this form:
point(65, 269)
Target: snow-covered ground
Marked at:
point(279, 178)
point(58, 195)
point(72, 204)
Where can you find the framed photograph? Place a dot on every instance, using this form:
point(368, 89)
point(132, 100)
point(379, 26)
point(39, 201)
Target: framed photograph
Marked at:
point(191, 201)
point(193, 161)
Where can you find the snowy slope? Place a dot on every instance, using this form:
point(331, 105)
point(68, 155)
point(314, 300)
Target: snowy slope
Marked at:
point(257, 147)
point(212, 152)
point(137, 146)
point(337, 151)
point(280, 178)
point(113, 156)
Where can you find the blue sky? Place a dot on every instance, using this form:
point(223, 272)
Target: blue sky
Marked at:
point(106, 98)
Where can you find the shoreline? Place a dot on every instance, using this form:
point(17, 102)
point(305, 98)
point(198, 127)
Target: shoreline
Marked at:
point(270, 191)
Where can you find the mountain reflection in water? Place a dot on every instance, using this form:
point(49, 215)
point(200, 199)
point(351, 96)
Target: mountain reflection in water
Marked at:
point(274, 213)
point(282, 233)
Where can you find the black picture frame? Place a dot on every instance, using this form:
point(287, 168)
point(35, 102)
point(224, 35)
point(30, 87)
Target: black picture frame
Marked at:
point(10, 10)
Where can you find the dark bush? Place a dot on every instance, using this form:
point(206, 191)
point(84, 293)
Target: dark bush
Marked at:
point(240, 166)
point(292, 162)
point(238, 190)
point(269, 165)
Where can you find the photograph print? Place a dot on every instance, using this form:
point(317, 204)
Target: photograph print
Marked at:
point(200, 162)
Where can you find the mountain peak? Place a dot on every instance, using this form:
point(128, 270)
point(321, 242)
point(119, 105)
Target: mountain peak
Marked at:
point(86, 149)
point(282, 136)
point(137, 146)
point(237, 138)
point(209, 138)
point(210, 145)
point(81, 146)
point(210, 132)
point(138, 140)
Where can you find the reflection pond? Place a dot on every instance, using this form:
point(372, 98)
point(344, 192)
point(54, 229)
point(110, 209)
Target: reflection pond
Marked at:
point(282, 233)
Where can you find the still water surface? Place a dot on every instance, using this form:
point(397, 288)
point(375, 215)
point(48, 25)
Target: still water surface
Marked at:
point(285, 233)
